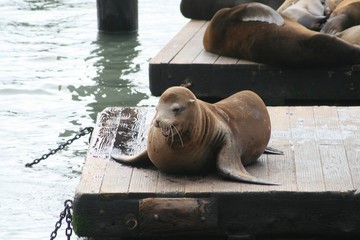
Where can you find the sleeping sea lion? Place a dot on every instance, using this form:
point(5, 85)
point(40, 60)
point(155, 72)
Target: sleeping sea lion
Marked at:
point(257, 33)
point(350, 35)
point(309, 13)
point(345, 15)
point(190, 136)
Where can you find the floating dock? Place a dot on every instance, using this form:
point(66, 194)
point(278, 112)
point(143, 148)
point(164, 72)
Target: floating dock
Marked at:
point(318, 196)
point(185, 61)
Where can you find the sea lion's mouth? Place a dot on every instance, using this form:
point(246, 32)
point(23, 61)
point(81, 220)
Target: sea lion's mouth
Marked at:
point(168, 131)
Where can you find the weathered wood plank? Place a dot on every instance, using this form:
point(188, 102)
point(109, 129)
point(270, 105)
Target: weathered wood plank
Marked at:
point(177, 43)
point(226, 60)
point(206, 57)
point(327, 125)
point(281, 167)
point(101, 145)
point(144, 181)
point(171, 184)
point(335, 168)
point(349, 121)
point(332, 151)
point(308, 166)
point(191, 49)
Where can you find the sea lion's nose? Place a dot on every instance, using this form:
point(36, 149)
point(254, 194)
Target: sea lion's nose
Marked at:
point(157, 123)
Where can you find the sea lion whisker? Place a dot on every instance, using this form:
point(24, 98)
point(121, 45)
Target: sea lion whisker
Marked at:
point(172, 135)
point(179, 134)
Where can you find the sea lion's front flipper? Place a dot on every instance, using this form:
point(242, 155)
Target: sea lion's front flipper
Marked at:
point(271, 150)
point(139, 159)
point(260, 13)
point(229, 165)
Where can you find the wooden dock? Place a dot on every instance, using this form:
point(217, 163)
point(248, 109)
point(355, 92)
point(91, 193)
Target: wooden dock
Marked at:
point(319, 175)
point(184, 60)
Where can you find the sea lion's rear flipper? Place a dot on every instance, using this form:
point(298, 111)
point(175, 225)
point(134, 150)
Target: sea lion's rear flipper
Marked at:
point(229, 165)
point(141, 158)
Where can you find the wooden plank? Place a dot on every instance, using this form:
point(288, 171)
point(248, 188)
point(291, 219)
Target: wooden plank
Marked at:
point(144, 181)
point(204, 56)
point(171, 184)
point(177, 43)
point(335, 168)
point(309, 175)
point(350, 129)
point(191, 49)
point(281, 167)
point(226, 60)
point(332, 151)
point(100, 146)
point(131, 135)
point(327, 125)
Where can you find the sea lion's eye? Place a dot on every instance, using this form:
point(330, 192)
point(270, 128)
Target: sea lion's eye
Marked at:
point(177, 109)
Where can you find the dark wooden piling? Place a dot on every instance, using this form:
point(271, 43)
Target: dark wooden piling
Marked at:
point(117, 15)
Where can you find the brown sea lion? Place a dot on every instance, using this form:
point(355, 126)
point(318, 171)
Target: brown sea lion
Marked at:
point(257, 33)
point(345, 15)
point(309, 13)
point(350, 35)
point(330, 5)
point(190, 136)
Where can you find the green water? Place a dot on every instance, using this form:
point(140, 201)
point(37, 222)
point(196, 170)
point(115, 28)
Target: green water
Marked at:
point(56, 73)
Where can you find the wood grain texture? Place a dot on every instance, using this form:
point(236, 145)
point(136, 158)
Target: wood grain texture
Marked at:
point(319, 172)
point(313, 139)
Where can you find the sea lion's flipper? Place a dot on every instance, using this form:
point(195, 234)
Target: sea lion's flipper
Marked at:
point(230, 166)
point(141, 158)
point(271, 150)
point(334, 25)
point(260, 13)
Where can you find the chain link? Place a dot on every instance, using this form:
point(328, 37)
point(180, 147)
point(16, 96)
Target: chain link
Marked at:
point(66, 213)
point(82, 132)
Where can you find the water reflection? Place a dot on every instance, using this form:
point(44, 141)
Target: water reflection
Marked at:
point(42, 5)
point(113, 58)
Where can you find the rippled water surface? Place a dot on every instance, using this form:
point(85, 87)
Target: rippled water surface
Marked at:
point(56, 73)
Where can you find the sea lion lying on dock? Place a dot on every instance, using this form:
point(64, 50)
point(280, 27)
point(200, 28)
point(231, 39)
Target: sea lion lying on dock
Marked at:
point(258, 33)
point(190, 136)
point(345, 15)
point(309, 13)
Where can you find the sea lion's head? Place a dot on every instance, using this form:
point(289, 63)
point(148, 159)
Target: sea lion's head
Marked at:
point(175, 112)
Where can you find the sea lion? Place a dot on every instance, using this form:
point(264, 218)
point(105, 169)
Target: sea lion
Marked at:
point(350, 35)
point(258, 33)
point(330, 5)
point(345, 15)
point(309, 13)
point(190, 136)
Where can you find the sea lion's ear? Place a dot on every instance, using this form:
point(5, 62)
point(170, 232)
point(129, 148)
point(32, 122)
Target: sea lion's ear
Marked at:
point(191, 100)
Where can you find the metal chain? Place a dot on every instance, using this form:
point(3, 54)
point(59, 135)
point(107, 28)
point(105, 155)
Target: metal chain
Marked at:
point(68, 217)
point(82, 132)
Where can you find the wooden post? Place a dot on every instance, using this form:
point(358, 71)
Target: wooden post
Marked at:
point(117, 15)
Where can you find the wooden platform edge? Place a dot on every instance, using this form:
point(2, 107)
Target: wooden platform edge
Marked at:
point(251, 214)
point(184, 60)
point(102, 213)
